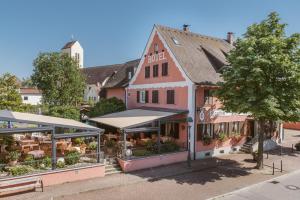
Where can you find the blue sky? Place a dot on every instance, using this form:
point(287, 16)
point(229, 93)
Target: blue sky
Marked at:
point(117, 31)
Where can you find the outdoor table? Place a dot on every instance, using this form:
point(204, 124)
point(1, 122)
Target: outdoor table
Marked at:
point(23, 142)
point(37, 153)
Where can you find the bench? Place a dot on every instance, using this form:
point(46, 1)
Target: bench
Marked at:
point(19, 185)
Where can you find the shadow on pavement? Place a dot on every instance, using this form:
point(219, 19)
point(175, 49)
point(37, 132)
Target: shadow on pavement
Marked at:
point(201, 171)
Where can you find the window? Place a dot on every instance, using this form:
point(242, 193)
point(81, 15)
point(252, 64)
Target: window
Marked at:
point(208, 98)
point(147, 72)
point(204, 129)
point(25, 98)
point(175, 41)
point(146, 97)
point(130, 72)
point(170, 97)
point(138, 96)
point(156, 48)
point(155, 70)
point(164, 71)
point(174, 130)
point(155, 96)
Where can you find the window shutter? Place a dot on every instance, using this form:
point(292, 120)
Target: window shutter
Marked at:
point(146, 96)
point(138, 96)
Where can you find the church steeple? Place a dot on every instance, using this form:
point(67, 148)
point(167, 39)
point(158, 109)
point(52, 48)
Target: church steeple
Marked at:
point(75, 50)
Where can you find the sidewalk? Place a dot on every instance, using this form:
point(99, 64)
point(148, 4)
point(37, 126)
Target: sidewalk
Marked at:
point(207, 178)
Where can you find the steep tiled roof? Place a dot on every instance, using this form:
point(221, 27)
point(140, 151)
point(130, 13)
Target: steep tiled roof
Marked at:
point(30, 91)
point(98, 74)
point(68, 45)
point(201, 57)
point(120, 78)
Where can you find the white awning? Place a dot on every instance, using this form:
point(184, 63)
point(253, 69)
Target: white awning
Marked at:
point(132, 118)
point(6, 115)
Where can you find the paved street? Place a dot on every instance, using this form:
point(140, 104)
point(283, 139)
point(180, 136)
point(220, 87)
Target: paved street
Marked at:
point(286, 187)
point(205, 179)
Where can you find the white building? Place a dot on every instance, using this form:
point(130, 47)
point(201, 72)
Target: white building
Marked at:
point(75, 50)
point(31, 96)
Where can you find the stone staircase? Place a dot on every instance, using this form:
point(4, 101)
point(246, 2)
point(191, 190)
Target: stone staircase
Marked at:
point(112, 166)
point(246, 148)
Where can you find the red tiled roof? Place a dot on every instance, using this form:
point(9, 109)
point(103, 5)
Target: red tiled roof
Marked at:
point(30, 91)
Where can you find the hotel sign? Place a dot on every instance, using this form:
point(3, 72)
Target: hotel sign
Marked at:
point(156, 57)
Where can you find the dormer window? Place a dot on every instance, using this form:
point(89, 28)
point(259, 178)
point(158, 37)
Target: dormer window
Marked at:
point(175, 41)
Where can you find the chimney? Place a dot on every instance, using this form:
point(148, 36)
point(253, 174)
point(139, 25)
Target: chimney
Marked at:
point(230, 38)
point(186, 27)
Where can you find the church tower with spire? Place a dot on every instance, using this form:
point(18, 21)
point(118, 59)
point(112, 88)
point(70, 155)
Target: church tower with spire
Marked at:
point(75, 50)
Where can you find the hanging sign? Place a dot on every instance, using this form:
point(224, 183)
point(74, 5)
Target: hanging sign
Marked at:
point(202, 115)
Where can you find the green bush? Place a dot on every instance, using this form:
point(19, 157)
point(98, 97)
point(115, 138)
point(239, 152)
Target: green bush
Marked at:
point(29, 160)
point(78, 141)
point(72, 157)
point(169, 146)
point(151, 146)
point(60, 164)
point(93, 145)
point(141, 152)
point(68, 112)
point(46, 162)
point(13, 156)
point(207, 140)
point(106, 106)
point(110, 144)
point(20, 170)
point(222, 136)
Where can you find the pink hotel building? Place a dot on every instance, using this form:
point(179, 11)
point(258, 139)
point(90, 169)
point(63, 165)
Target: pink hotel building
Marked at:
point(178, 71)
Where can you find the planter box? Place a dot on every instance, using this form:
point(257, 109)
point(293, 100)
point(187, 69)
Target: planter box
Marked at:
point(67, 175)
point(152, 161)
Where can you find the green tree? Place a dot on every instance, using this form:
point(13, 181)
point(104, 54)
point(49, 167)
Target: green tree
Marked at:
point(27, 82)
point(10, 97)
point(60, 79)
point(106, 106)
point(264, 76)
point(69, 112)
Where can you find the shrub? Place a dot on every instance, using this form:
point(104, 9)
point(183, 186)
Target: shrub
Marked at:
point(106, 106)
point(13, 156)
point(78, 141)
point(46, 162)
point(207, 140)
point(151, 146)
point(72, 157)
point(29, 160)
point(20, 170)
point(222, 136)
point(60, 164)
point(297, 146)
point(93, 145)
point(141, 152)
point(110, 144)
point(169, 146)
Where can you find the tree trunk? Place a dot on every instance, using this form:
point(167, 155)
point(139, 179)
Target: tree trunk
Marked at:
point(260, 144)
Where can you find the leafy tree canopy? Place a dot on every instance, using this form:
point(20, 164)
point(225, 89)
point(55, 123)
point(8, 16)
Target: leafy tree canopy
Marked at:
point(60, 79)
point(264, 76)
point(10, 97)
point(69, 112)
point(106, 106)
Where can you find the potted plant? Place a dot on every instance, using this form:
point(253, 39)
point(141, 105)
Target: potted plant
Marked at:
point(110, 144)
point(13, 157)
point(207, 140)
point(222, 137)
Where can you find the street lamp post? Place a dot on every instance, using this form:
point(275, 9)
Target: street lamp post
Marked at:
point(189, 120)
